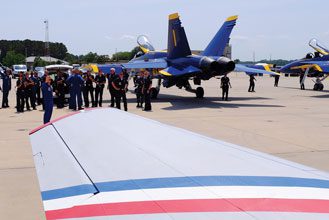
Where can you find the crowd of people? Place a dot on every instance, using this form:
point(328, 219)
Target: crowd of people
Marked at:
point(85, 90)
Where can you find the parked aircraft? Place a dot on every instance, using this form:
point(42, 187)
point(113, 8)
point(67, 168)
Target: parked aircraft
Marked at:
point(314, 65)
point(177, 65)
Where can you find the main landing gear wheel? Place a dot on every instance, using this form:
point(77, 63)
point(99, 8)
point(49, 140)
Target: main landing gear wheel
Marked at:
point(199, 92)
point(154, 93)
point(318, 87)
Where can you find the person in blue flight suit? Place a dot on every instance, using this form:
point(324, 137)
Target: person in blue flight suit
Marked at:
point(48, 101)
point(75, 81)
point(6, 87)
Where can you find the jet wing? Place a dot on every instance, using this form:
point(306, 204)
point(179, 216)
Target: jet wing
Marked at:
point(172, 71)
point(146, 64)
point(130, 167)
point(249, 70)
point(320, 66)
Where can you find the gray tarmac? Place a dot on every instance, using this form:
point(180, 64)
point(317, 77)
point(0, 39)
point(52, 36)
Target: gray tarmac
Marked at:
point(283, 121)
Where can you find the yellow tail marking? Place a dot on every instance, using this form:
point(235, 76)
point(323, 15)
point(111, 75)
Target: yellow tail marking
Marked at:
point(174, 36)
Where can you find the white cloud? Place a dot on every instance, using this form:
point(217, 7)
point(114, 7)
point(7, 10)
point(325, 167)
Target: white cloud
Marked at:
point(127, 36)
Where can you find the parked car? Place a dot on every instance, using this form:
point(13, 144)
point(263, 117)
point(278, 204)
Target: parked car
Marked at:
point(17, 69)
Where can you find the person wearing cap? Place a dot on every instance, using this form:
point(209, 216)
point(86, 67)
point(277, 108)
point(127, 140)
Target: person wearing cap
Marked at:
point(75, 81)
point(120, 84)
point(47, 94)
point(6, 87)
point(111, 77)
point(100, 81)
point(147, 85)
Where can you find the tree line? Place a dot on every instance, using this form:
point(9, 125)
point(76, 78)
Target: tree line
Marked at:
point(15, 51)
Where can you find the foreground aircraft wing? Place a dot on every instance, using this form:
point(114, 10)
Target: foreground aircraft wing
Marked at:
point(249, 70)
point(129, 167)
point(146, 64)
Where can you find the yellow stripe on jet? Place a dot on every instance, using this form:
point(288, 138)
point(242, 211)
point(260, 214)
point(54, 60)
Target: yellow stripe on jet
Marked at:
point(164, 73)
point(173, 16)
point(145, 50)
point(315, 66)
point(174, 36)
point(232, 18)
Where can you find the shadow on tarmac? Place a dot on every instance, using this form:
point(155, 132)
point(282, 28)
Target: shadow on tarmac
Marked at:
point(182, 103)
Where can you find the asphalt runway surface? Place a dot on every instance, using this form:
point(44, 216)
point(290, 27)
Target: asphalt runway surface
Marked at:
point(283, 121)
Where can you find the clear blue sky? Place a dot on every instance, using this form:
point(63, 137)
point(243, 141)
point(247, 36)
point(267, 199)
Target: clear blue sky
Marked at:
point(281, 28)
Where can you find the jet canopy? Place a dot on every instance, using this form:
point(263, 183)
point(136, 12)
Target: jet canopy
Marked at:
point(319, 47)
point(145, 44)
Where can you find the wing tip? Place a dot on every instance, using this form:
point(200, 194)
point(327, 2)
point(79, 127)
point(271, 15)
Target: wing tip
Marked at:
point(51, 122)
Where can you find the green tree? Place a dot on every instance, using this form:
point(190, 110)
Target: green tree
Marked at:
point(125, 55)
point(134, 52)
point(101, 59)
point(90, 58)
point(12, 58)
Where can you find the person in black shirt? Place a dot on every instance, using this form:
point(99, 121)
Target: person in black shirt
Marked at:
point(20, 96)
point(120, 84)
point(111, 77)
point(301, 81)
point(276, 80)
point(89, 88)
point(147, 85)
point(225, 85)
point(59, 87)
point(100, 81)
point(29, 92)
point(252, 83)
point(37, 81)
point(138, 90)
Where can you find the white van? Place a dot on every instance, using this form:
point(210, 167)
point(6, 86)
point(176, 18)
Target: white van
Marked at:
point(18, 68)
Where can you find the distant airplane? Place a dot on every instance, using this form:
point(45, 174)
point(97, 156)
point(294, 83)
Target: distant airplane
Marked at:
point(314, 65)
point(173, 174)
point(177, 64)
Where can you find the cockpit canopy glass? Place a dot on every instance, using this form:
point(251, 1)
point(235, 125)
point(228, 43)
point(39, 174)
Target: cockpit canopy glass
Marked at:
point(144, 42)
point(319, 47)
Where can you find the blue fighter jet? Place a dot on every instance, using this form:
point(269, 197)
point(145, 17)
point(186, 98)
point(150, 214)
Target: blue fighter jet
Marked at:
point(313, 65)
point(177, 65)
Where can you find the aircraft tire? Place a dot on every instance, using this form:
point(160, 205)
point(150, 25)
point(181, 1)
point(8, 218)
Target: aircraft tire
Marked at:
point(316, 87)
point(199, 92)
point(154, 93)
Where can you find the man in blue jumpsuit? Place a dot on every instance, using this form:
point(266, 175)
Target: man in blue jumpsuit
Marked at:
point(48, 101)
point(75, 81)
point(6, 87)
